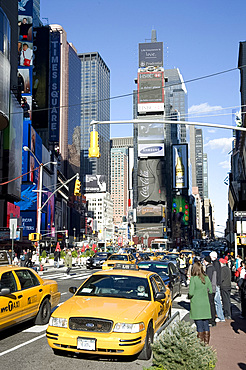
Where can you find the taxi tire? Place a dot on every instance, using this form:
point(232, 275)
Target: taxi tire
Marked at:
point(146, 352)
point(44, 313)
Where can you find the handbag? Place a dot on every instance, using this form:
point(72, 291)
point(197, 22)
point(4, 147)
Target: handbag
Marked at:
point(27, 62)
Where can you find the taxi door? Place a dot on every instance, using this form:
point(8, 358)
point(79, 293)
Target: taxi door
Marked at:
point(11, 305)
point(31, 291)
point(161, 309)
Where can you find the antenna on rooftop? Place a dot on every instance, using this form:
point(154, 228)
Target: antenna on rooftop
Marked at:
point(153, 36)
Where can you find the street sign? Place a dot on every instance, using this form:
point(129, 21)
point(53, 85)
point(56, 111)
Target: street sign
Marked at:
point(13, 227)
point(239, 213)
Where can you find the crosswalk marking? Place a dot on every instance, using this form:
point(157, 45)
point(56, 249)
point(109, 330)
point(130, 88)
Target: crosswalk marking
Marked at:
point(36, 329)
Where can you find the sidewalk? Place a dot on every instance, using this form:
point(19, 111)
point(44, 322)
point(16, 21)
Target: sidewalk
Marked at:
point(229, 340)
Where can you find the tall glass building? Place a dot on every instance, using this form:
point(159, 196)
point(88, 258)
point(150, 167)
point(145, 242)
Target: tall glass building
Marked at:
point(95, 105)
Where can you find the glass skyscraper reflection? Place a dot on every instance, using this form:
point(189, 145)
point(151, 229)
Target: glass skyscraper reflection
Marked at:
point(95, 105)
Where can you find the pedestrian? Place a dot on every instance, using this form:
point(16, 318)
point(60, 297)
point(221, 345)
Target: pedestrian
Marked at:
point(217, 298)
point(68, 261)
point(211, 273)
point(226, 288)
point(182, 266)
point(22, 258)
point(57, 255)
point(238, 261)
point(242, 292)
point(200, 310)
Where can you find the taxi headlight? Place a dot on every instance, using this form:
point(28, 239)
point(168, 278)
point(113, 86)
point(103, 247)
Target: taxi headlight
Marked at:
point(122, 327)
point(58, 322)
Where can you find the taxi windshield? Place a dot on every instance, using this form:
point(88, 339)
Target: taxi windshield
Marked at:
point(118, 257)
point(117, 286)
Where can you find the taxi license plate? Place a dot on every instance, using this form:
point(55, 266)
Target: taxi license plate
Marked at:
point(86, 344)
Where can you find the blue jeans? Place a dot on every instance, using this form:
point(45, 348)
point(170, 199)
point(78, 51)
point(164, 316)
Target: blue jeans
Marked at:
point(218, 304)
point(202, 325)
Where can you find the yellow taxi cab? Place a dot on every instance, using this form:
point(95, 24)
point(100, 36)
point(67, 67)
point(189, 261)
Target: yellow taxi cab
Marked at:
point(125, 258)
point(160, 255)
point(153, 256)
point(186, 252)
point(114, 312)
point(25, 295)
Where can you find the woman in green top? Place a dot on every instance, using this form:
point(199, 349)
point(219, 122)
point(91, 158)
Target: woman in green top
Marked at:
point(200, 285)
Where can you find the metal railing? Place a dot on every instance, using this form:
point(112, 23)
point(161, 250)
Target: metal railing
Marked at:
point(167, 323)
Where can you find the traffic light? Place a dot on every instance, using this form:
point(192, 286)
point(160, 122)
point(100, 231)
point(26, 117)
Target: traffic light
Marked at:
point(34, 237)
point(77, 187)
point(186, 212)
point(94, 148)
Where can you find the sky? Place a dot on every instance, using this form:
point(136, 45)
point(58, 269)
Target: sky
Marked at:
point(200, 38)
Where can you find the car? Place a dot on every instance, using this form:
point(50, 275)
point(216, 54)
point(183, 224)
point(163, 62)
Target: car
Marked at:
point(170, 257)
point(205, 253)
point(24, 295)
point(167, 271)
point(97, 260)
point(160, 255)
point(187, 252)
point(153, 256)
point(143, 255)
point(114, 312)
point(124, 258)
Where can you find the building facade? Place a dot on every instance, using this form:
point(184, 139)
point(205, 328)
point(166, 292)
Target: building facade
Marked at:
point(95, 105)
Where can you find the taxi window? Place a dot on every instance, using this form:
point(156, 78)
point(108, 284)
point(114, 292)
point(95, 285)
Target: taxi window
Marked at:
point(154, 285)
point(27, 279)
point(8, 281)
point(160, 284)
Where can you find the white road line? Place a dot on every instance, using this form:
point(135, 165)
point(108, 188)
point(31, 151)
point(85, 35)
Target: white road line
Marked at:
point(36, 329)
point(22, 345)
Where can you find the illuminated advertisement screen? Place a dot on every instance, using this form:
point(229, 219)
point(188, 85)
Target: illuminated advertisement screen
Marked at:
point(150, 87)
point(180, 166)
point(151, 54)
point(95, 183)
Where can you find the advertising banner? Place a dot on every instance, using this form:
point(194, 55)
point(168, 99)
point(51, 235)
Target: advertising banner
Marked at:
point(25, 155)
point(28, 222)
point(151, 189)
point(151, 54)
point(180, 166)
point(150, 150)
point(150, 92)
point(54, 90)
point(149, 211)
point(25, 7)
point(95, 183)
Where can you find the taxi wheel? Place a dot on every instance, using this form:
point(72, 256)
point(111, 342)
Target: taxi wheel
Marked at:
point(146, 352)
point(44, 312)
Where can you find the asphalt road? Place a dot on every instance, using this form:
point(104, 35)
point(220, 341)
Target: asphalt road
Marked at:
point(25, 346)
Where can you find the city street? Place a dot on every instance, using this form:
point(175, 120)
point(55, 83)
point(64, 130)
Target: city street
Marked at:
point(26, 347)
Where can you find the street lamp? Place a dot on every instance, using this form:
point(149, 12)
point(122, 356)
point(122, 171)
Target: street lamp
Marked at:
point(74, 237)
point(40, 185)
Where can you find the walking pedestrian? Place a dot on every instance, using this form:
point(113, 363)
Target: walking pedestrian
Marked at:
point(68, 261)
point(57, 255)
point(226, 288)
point(242, 292)
point(200, 310)
point(211, 273)
point(217, 297)
point(182, 266)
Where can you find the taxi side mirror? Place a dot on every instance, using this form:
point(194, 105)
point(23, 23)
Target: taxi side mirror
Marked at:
point(159, 296)
point(4, 291)
point(73, 289)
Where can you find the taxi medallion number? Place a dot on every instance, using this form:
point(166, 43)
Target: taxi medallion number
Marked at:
point(86, 344)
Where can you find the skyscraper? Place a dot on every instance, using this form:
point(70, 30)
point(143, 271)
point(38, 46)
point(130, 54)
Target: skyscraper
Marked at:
point(95, 105)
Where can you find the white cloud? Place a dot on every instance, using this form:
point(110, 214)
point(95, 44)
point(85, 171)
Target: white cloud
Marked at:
point(203, 108)
point(225, 164)
point(224, 144)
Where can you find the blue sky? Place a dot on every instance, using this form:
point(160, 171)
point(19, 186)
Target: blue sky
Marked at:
point(200, 38)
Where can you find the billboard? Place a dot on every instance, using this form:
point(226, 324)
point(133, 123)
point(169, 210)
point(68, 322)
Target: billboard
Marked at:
point(180, 166)
point(40, 90)
point(54, 90)
point(150, 92)
point(150, 150)
point(150, 54)
point(149, 211)
point(151, 189)
point(95, 183)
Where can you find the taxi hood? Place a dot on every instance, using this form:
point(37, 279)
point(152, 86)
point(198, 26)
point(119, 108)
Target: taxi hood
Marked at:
point(116, 309)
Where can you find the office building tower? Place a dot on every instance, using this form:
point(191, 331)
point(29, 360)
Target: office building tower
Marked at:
point(175, 103)
point(119, 183)
point(196, 158)
point(205, 175)
point(95, 105)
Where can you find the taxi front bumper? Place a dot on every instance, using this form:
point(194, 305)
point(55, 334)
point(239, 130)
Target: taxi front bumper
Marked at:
point(105, 343)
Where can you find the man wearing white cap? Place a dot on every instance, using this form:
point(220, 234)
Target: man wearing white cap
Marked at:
point(217, 298)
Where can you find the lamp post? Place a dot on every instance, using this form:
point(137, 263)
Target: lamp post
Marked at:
point(40, 186)
point(74, 237)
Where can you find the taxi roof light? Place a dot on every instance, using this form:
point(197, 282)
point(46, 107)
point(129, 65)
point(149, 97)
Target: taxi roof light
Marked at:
point(125, 266)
